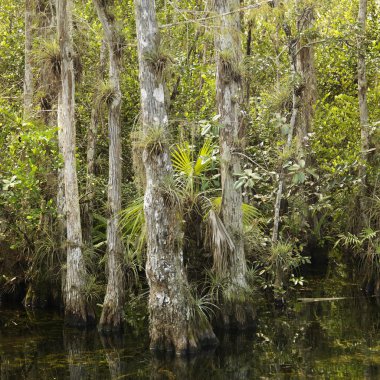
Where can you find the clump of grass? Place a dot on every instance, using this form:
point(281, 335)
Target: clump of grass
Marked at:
point(202, 308)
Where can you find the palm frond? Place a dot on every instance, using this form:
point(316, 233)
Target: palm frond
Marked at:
point(132, 223)
point(181, 159)
point(204, 160)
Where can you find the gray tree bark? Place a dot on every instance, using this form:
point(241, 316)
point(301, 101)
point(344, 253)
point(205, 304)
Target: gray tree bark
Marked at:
point(77, 310)
point(229, 99)
point(112, 312)
point(173, 318)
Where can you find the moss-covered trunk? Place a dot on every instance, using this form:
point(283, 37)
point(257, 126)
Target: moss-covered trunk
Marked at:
point(77, 310)
point(112, 313)
point(172, 322)
point(236, 310)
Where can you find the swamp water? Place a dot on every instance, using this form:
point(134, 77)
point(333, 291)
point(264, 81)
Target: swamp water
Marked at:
point(313, 339)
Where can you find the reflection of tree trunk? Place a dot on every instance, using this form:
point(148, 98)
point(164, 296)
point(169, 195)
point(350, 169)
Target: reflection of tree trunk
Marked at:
point(181, 368)
point(170, 306)
point(75, 346)
point(112, 312)
point(77, 310)
point(112, 345)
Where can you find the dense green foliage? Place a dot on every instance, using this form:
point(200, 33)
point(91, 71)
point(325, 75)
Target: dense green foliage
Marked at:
point(320, 201)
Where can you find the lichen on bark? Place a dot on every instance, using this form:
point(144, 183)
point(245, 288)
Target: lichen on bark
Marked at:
point(172, 322)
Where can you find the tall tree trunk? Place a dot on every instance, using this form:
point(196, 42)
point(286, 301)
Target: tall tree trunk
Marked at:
point(229, 98)
point(30, 297)
point(61, 201)
point(363, 109)
point(174, 324)
point(41, 27)
point(87, 208)
point(77, 311)
point(112, 313)
point(28, 72)
point(293, 121)
point(87, 211)
point(306, 69)
point(248, 55)
point(308, 98)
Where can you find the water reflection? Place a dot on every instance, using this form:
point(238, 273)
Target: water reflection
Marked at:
point(316, 340)
point(113, 346)
point(74, 343)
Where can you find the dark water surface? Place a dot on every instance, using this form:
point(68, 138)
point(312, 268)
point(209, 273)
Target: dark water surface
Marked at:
point(317, 340)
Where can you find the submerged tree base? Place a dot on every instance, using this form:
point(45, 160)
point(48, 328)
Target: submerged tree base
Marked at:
point(80, 319)
point(237, 310)
point(236, 316)
point(111, 320)
point(183, 343)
